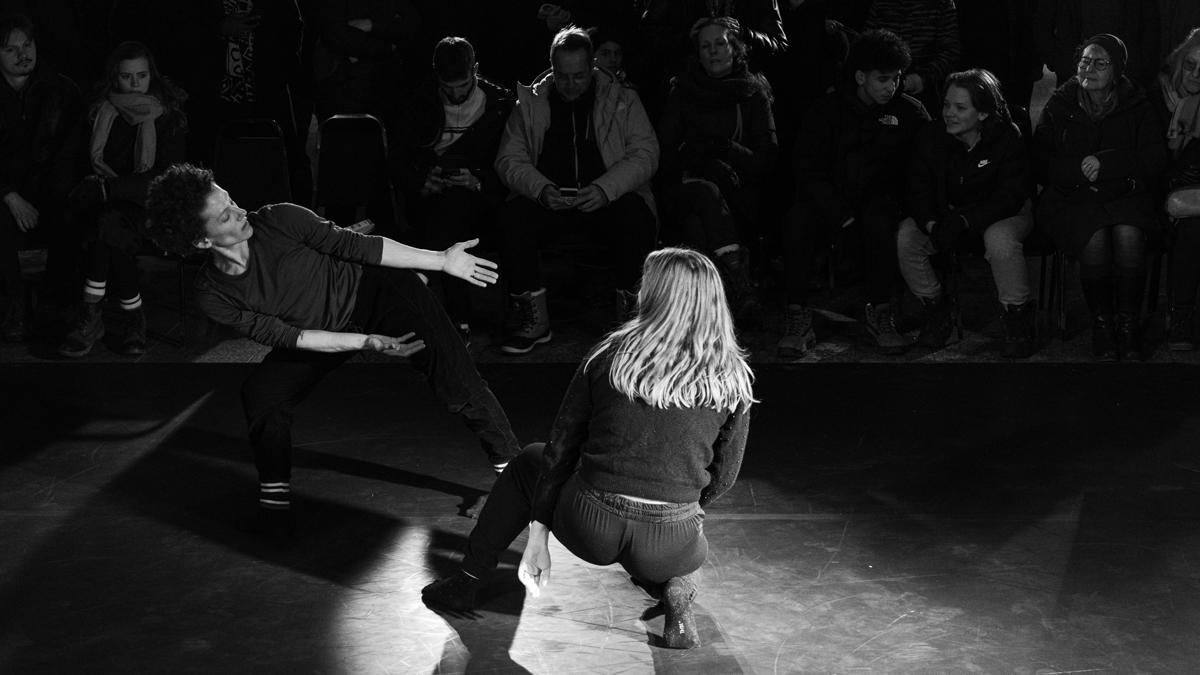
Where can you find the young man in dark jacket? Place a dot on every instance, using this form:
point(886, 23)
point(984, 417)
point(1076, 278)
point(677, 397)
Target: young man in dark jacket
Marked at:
point(442, 162)
point(39, 117)
point(850, 157)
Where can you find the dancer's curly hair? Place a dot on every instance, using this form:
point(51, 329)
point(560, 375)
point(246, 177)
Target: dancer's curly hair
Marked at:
point(174, 203)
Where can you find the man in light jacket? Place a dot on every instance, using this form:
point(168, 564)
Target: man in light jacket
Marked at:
point(577, 156)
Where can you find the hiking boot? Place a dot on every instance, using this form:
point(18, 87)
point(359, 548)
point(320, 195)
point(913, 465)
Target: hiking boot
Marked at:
point(881, 327)
point(535, 323)
point(16, 321)
point(88, 327)
point(1018, 331)
point(134, 341)
point(679, 626)
point(798, 335)
point(939, 321)
point(1181, 337)
point(1104, 339)
point(739, 289)
point(627, 307)
point(455, 592)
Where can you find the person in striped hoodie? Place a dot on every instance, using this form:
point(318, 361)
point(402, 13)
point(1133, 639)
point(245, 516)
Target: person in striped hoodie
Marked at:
point(930, 29)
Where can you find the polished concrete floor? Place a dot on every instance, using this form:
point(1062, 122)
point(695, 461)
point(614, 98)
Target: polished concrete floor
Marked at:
point(1030, 519)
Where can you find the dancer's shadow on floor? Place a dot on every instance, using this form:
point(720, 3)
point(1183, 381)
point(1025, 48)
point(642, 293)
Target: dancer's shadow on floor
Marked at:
point(482, 638)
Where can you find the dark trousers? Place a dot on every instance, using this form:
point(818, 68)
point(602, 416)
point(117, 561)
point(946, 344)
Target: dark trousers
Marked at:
point(63, 252)
point(388, 302)
point(1185, 263)
point(704, 219)
point(627, 225)
point(804, 226)
point(653, 542)
point(456, 215)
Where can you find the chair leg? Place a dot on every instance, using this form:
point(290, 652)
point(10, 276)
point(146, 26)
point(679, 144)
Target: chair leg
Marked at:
point(1060, 285)
point(182, 308)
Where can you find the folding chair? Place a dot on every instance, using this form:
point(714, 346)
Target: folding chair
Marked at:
point(251, 163)
point(352, 179)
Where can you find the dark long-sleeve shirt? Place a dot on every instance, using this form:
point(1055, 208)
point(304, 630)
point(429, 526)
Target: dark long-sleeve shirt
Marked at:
point(678, 455)
point(303, 274)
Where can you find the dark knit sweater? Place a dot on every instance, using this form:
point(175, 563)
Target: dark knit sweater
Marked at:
point(302, 275)
point(678, 455)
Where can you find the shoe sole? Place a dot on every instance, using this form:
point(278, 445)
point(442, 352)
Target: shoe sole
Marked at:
point(513, 350)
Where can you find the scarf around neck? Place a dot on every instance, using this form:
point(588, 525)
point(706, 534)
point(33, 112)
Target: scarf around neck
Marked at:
point(1097, 111)
point(698, 88)
point(139, 110)
point(1185, 115)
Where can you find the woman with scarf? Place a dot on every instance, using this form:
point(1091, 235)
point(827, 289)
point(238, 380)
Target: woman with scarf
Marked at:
point(1177, 100)
point(138, 128)
point(1098, 151)
point(718, 146)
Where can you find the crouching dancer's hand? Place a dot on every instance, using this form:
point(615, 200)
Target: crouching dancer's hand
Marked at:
point(393, 346)
point(534, 570)
point(457, 262)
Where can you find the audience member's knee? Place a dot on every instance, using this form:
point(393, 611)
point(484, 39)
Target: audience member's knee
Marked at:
point(1001, 243)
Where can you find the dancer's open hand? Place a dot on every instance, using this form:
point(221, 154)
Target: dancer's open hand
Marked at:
point(463, 265)
point(393, 346)
point(534, 570)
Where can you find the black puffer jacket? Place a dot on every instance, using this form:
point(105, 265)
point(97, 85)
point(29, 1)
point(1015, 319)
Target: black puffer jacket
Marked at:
point(983, 185)
point(1131, 147)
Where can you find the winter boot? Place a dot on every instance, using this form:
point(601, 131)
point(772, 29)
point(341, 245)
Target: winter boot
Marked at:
point(1018, 331)
point(135, 332)
point(1128, 301)
point(881, 329)
point(1098, 293)
point(1182, 337)
point(798, 335)
point(535, 323)
point(739, 288)
point(939, 321)
point(88, 327)
point(679, 627)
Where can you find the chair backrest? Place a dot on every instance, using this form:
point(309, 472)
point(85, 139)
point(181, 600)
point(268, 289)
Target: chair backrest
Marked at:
point(352, 162)
point(251, 163)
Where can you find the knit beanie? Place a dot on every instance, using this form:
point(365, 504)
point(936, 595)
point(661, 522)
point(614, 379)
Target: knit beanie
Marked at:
point(1117, 53)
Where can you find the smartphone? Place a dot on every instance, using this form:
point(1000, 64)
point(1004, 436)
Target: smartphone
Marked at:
point(568, 194)
point(363, 226)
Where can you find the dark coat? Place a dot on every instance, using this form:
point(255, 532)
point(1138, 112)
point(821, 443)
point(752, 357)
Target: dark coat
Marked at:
point(1129, 142)
point(745, 127)
point(421, 122)
point(983, 185)
point(847, 152)
point(39, 134)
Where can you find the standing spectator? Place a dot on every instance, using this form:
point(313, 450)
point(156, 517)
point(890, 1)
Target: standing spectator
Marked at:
point(718, 148)
point(577, 155)
point(930, 29)
point(39, 114)
point(970, 176)
point(849, 161)
point(443, 160)
point(997, 35)
point(1177, 99)
point(1060, 26)
point(1098, 152)
point(138, 128)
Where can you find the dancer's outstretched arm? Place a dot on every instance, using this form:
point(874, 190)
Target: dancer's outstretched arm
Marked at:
point(454, 261)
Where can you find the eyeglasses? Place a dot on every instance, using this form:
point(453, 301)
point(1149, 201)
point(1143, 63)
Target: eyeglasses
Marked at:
point(1100, 65)
point(1190, 67)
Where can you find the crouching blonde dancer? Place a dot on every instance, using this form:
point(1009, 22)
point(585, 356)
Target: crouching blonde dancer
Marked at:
point(651, 431)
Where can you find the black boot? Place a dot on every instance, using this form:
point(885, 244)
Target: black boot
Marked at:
point(1182, 336)
point(1098, 293)
point(939, 322)
point(679, 626)
point(739, 288)
point(455, 592)
point(1018, 331)
point(1129, 292)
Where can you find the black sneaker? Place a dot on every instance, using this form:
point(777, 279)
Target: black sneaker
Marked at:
point(456, 592)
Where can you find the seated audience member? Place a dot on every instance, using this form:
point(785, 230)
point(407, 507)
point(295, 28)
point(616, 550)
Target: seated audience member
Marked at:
point(930, 29)
point(718, 148)
point(1099, 152)
point(138, 128)
point(670, 27)
point(651, 431)
point(610, 54)
point(442, 161)
point(578, 154)
point(1177, 99)
point(316, 294)
point(970, 177)
point(1060, 26)
point(850, 158)
point(39, 114)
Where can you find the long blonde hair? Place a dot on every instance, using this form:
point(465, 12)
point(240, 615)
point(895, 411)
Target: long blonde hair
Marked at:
point(680, 349)
point(1174, 61)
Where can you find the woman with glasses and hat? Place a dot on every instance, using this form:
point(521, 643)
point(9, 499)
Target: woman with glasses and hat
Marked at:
point(1098, 152)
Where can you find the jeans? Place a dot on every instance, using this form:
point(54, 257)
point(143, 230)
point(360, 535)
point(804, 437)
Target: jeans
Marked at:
point(653, 542)
point(1002, 249)
point(387, 302)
